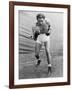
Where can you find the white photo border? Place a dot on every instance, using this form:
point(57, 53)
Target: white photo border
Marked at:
point(17, 81)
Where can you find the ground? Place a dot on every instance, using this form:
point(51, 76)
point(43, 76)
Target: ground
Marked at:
point(28, 70)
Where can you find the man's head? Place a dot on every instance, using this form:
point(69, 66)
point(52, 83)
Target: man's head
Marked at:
point(40, 18)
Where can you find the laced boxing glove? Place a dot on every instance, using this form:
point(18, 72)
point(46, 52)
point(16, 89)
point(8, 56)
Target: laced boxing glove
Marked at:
point(36, 32)
point(36, 35)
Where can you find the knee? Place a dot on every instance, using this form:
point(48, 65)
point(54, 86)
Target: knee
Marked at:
point(37, 56)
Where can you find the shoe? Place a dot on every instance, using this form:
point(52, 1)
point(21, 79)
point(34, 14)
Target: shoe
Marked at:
point(38, 63)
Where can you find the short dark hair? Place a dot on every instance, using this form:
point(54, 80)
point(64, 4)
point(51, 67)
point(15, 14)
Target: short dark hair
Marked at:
point(40, 16)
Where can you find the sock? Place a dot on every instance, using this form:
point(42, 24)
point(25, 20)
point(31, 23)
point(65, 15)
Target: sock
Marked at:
point(49, 65)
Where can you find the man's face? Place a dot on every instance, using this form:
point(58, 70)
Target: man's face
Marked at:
point(41, 20)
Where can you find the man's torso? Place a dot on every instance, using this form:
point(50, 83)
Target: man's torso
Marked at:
point(43, 28)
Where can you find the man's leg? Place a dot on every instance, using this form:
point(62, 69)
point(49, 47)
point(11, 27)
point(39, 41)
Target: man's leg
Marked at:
point(37, 50)
point(47, 49)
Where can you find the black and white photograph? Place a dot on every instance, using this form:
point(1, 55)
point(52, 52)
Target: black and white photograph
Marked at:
point(40, 45)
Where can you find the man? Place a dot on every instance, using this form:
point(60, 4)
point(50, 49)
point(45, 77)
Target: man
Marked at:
point(41, 34)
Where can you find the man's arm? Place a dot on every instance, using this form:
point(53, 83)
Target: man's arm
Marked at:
point(47, 28)
point(35, 32)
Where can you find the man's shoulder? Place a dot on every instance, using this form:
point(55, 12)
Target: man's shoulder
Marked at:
point(33, 27)
point(47, 22)
point(36, 28)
